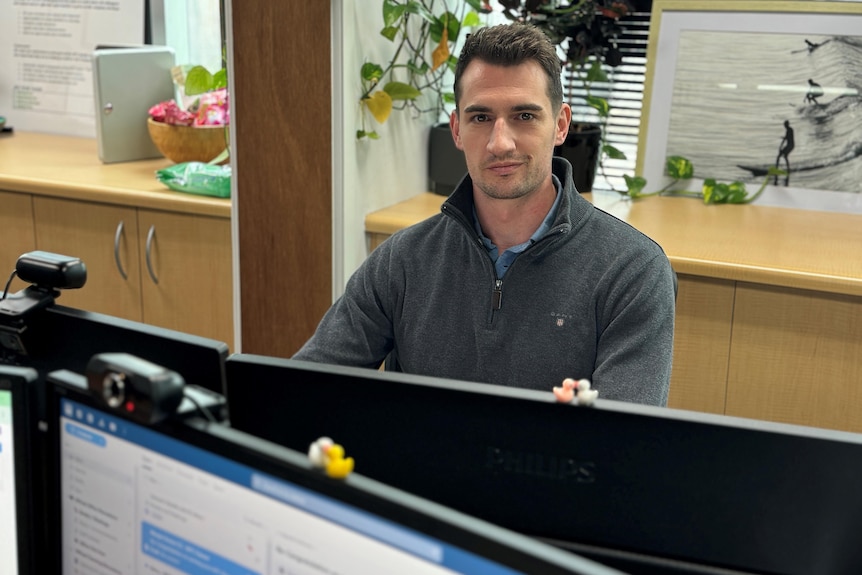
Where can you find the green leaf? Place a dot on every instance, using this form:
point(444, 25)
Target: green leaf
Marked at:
point(401, 91)
point(419, 70)
point(736, 193)
point(708, 189)
point(471, 20)
point(392, 11)
point(679, 168)
point(220, 79)
point(414, 7)
point(448, 20)
point(198, 81)
point(389, 33)
point(635, 184)
point(449, 97)
point(360, 134)
point(600, 104)
point(595, 73)
point(475, 5)
point(613, 153)
point(371, 72)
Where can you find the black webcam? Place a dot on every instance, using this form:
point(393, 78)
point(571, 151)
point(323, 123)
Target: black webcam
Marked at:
point(48, 273)
point(143, 391)
point(51, 271)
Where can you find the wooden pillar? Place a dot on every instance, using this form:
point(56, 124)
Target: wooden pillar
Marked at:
point(281, 108)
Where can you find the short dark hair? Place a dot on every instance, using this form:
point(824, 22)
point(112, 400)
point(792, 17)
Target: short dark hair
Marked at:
point(511, 45)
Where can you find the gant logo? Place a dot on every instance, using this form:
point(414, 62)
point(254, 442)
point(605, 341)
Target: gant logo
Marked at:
point(560, 318)
point(542, 465)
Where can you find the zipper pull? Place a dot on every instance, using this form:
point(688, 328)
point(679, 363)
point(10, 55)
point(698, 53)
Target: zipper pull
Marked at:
point(497, 296)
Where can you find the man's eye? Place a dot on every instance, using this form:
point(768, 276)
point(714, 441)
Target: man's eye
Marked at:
point(480, 118)
point(526, 116)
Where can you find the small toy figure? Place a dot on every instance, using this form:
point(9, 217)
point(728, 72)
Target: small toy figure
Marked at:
point(327, 455)
point(579, 391)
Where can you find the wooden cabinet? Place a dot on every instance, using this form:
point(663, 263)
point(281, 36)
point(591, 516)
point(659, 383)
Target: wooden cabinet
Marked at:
point(702, 334)
point(152, 254)
point(105, 237)
point(167, 269)
point(186, 273)
point(16, 235)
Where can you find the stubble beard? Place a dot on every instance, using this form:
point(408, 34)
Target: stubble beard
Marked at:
point(514, 186)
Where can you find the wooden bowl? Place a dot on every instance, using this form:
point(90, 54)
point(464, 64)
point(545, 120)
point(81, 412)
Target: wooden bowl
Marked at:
point(188, 143)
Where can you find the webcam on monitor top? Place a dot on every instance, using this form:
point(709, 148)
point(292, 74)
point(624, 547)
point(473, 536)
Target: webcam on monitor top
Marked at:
point(47, 273)
point(141, 390)
point(51, 271)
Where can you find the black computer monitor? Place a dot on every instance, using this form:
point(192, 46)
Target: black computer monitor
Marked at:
point(642, 488)
point(196, 497)
point(17, 531)
point(60, 337)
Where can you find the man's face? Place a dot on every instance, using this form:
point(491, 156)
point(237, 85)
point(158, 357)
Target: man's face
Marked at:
point(507, 129)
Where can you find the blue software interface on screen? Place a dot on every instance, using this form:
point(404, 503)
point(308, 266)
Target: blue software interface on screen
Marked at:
point(8, 510)
point(135, 501)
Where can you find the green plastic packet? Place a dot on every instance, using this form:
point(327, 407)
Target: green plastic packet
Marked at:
point(197, 178)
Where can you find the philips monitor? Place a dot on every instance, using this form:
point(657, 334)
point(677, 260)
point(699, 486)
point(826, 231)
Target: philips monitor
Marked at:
point(60, 337)
point(17, 533)
point(196, 497)
point(643, 489)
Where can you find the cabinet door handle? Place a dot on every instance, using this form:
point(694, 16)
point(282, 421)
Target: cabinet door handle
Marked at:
point(150, 236)
point(117, 237)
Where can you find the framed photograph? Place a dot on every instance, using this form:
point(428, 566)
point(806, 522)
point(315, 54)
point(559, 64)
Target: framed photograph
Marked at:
point(739, 86)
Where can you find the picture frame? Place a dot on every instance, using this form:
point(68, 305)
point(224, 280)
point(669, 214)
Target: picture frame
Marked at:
point(730, 85)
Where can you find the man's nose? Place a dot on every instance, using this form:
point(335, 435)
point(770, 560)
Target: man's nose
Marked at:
point(502, 140)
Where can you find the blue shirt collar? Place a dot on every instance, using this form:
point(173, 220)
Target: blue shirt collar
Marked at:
point(504, 260)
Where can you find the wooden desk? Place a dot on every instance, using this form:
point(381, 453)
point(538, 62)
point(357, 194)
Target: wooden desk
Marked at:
point(127, 227)
point(769, 313)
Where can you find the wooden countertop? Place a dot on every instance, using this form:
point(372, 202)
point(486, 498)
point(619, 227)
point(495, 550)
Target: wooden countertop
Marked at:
point(69, 167)
point(768, 245)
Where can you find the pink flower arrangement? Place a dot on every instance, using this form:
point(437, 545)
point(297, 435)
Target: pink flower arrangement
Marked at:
point(211, 109)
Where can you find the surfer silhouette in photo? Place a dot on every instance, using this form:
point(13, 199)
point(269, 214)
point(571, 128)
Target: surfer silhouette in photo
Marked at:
point(815, 91)
point(784, 149)
point(812, 46)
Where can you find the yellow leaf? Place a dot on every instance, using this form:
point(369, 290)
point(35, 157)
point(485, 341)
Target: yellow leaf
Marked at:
point(380, 105)
point(441, 52)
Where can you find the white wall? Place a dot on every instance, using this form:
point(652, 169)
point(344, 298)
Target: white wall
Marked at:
point(374, 173)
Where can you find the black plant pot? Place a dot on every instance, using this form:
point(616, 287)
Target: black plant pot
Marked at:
point(581, 149)
point(446, 164)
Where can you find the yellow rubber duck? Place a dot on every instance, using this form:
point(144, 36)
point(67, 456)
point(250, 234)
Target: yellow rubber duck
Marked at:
point(338, 466)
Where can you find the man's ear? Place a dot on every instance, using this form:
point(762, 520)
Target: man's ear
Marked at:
point(564, 120)
point(455, 128)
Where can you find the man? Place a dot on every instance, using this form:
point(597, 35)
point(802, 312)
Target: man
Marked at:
point(519, 281)
point(784, 148)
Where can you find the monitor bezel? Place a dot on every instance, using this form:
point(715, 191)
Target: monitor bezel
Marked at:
point(636, 529)
point(53, 342)
point(512, 549)
point(18, 381)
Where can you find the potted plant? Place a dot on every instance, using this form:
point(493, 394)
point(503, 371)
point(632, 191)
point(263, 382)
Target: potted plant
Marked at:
point(418, 76)
point(587, 33)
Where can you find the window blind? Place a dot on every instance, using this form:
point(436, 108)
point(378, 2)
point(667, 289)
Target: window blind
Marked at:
point(624, 92)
